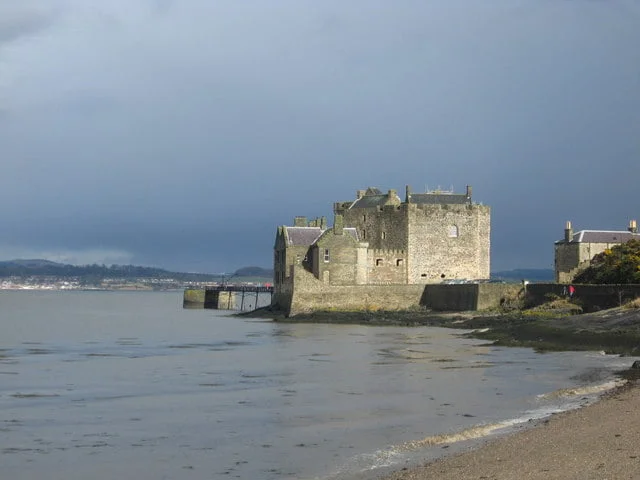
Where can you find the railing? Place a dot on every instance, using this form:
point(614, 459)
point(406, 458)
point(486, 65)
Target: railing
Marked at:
point(240, 288)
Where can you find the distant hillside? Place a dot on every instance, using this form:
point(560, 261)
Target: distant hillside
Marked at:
point(37, 267)
point(531, 274)
point(254, 272)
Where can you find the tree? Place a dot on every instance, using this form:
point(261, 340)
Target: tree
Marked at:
point(618, 264)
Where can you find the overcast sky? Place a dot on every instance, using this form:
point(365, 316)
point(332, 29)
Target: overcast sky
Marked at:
point(179, 134)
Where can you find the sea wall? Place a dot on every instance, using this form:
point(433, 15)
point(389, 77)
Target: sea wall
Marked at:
point(307, 294)
point(201, 298)
point(193, 298)
point(590, 297)
point(471, 296)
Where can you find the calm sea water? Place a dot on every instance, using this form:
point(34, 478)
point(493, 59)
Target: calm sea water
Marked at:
point(107, 385)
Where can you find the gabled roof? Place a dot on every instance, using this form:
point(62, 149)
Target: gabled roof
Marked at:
point(347, 231)
point(368, 201)
point(438, 198)
point(301, 236)
point(602, 236)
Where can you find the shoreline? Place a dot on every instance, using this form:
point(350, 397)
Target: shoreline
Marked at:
point(613, 331)
point(596, 441)
point(599, 440)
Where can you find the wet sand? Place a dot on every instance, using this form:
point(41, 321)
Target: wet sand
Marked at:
point(600, 441)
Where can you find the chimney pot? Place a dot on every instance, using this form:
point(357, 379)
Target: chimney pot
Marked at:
point(568, 232)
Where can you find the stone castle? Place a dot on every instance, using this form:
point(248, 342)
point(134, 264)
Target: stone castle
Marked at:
point(381, 251)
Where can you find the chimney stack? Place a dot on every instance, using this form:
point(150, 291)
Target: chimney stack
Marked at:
point(360, 194)
point(633, 226)
point(300, 222)
point(338, 225)
point(469, 191)
point(407, 193)
point(568, 232)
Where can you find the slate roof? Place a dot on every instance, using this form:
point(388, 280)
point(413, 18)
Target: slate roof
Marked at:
point(369, 201)
point(602, 236)
point(438, 198)
point(302, 236)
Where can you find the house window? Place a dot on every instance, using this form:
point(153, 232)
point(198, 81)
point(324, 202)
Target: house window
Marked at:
point(326, 254)
point(399, 262)
point(453, 231)
point(378, 262)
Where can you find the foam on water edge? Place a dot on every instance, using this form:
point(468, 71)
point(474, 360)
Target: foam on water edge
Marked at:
point(394, 454)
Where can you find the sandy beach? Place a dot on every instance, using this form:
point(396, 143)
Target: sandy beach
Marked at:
point(599, 441)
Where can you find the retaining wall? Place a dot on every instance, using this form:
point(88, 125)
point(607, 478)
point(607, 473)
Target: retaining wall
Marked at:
point(591, 297)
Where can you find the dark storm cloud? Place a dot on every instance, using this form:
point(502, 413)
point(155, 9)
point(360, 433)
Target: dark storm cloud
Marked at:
point(183, 133)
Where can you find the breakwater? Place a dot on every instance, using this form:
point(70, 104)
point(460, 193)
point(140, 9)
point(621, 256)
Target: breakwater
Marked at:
point(227, 297)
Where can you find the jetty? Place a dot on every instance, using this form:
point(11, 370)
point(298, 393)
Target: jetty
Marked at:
point(227, 297)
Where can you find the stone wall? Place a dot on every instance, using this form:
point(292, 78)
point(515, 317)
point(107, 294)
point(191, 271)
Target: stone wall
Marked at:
point(307, 294)
point(387, 266)
point(573, 257)
point(335, 258)
point(590, 297)
point(448, 242)
point(381, 228)
point(193, 298)
point(310, 294)
point(201, 298)
point(472, 296)
point(220, 300)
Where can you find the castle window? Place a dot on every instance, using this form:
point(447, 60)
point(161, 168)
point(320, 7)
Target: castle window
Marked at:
point(364, 234)
point(378, 262)
point(364, 218)
point(453, 231)
point(326, 254)
point(399, 262)
point(423, 274)
point(384, 235)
